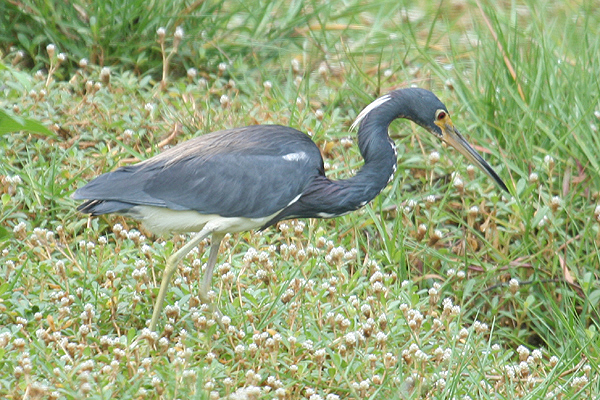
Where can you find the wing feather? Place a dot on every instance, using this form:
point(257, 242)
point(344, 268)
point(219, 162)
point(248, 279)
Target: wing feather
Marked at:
point(246, 172)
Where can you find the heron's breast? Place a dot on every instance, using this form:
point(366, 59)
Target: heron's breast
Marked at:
point(163, 220)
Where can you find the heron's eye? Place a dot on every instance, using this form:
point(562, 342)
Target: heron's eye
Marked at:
point(441, 114)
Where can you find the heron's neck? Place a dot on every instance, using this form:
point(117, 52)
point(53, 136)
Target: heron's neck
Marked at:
point(325, 198)
point(379, 153)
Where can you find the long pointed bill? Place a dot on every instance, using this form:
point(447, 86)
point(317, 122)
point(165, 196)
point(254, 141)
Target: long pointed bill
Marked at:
point(452, 136)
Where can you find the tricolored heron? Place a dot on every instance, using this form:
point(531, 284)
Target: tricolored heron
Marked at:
point(253, 177)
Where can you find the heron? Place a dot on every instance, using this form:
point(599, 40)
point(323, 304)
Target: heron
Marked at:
point(255, 176)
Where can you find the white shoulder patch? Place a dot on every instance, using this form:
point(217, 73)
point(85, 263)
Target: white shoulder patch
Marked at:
point(370, 108)
point(295, 156)
point(295, 199)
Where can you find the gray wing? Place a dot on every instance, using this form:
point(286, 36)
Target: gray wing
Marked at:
point(246, 172)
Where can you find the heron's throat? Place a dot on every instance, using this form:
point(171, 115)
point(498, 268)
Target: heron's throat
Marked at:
point(379, 153)
point(379, 168)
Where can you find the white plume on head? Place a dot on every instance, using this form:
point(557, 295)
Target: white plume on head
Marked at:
point(370, 108)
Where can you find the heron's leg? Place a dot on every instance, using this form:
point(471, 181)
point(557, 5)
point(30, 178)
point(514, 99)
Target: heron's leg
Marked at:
point(210, 266)
point(170, 269)
point(208, 273)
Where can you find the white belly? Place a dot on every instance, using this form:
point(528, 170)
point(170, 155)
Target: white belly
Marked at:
point(162, 220)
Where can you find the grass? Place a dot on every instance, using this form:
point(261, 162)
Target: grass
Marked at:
point(435, 290)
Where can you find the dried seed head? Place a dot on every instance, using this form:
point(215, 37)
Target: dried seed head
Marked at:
point(421, 231)
point(366, 310)
point(555, 203)
point(105, 75)
point(178, 35)
point(430, 200)
point(480, 327)
point(579, 382)
point(434, 157)
point(225, 101)
point(161, 32)
point(51, 49)
point(513, 285)
point(295, 66)
point(350, 339)
point(192, 73)
point(381, 338)
point(18, 57)
point(319, 114)
point(471, 171)
point(149, 107)
point(473, 211)
point(89, 86)
point(458, 184)
point(435, 237)
point(533, 177)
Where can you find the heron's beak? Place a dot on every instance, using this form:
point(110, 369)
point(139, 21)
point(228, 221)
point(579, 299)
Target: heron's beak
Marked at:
point(452, 136)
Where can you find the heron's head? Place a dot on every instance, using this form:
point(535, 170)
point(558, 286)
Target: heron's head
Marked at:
point(424, 108)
